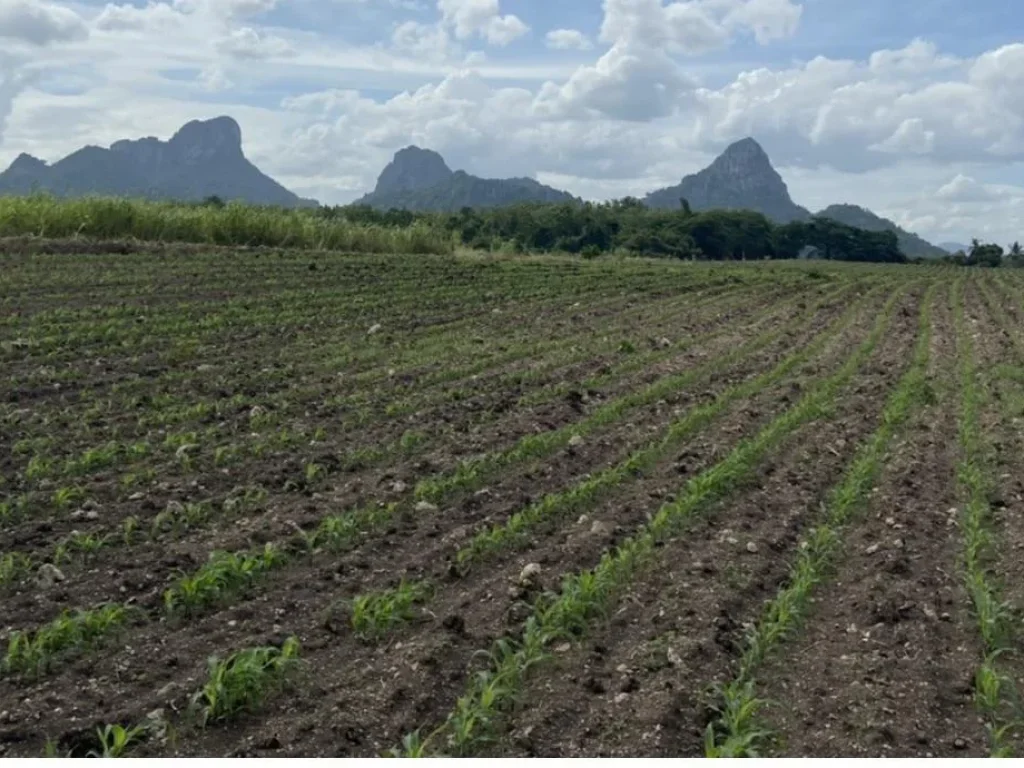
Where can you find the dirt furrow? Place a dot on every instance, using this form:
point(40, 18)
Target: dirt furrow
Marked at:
point(637, 685)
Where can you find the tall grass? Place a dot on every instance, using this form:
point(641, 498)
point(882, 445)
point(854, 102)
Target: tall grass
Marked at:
point(233, 224)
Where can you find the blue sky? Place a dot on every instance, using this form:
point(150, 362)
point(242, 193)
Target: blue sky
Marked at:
point(912, 108)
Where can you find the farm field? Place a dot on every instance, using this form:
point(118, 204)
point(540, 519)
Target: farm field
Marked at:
point(257, 502)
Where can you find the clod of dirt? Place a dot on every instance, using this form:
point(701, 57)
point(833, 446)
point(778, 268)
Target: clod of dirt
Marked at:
point(751, 547)
point(599, 528)
point(85, 514)
point(398, 486)
point(426, 507)
point(664, 343)
point(530, 575)
point(872, 549)
point(170, 691)
point(576, 442)
point(48, 575)
point(959, 744)
point(375, 328)
point(519, 612)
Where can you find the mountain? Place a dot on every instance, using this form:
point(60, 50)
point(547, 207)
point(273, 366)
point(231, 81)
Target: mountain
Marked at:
point(742, 177)
point(855, 216)
point(420, 180)
point(203, 159)
point(954, 247)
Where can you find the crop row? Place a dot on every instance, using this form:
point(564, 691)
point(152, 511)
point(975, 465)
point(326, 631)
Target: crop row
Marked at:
point(229, 573)
point(736, 731)
point(589, 594)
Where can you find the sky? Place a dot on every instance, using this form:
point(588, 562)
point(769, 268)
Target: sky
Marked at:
point(913, 108)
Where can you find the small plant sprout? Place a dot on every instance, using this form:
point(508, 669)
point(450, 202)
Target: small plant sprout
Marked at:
point(115, 739)
point(244, 680)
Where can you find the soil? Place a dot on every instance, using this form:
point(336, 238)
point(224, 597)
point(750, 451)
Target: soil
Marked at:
point(897, 684)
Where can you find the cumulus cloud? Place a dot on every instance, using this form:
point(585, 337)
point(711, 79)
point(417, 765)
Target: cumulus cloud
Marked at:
point(854, 114)
point(912, 132)
point(115, 17)
point(429, 41)
point(248, 43)
point(40, 23)
point(768, 19)
point(964, 189)
point(696, 27)
point(469, 18)
point(624, 84)
point(567, 39)
point(910, 137)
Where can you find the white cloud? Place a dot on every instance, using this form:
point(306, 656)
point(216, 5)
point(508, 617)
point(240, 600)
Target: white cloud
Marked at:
point(429, 41)
point(247, 43)
point(853, 114)
point(911, 137)
point(894, 131)
point(624, 84)
point(768, 19)
point(214, 79)
point(154, 16)
point(40, 23)
point(568, 39)
point(964, 189)
point(482, 18)
point(693, 27)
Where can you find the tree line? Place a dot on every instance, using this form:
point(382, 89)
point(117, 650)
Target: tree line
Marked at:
point(629, 226)
point(988, 255)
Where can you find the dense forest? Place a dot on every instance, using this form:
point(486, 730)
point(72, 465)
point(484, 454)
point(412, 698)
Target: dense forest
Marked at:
point(629, 226)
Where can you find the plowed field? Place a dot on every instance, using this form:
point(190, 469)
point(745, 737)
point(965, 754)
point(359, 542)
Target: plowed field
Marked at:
point(259, 503)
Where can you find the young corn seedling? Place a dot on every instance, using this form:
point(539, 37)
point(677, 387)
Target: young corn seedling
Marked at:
point(734, 732)
point(339, 532)
point(226, 573)
point(32, 653)
point(67, 496)
point(589, 594)
point(374, 615)
point(78, 543)
point(244, 680)
point(14, 566)
point(115, 739)
point(996, 695)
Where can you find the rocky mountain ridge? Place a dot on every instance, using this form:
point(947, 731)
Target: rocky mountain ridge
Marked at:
point(204, 158)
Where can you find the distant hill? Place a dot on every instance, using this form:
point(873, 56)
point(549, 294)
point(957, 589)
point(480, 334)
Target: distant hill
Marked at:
point(420, 180)
point(203, 159)
point(855, 216)
point(954, 247)
point(742, 177)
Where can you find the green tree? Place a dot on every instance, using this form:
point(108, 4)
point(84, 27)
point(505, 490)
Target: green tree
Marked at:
point(984, 255)
point(1016, 255)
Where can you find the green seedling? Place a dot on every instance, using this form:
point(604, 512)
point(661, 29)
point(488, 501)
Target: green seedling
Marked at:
point(244, 680)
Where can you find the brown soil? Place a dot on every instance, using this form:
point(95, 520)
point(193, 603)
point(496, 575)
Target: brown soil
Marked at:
point(885, 665)
point(636, 685)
